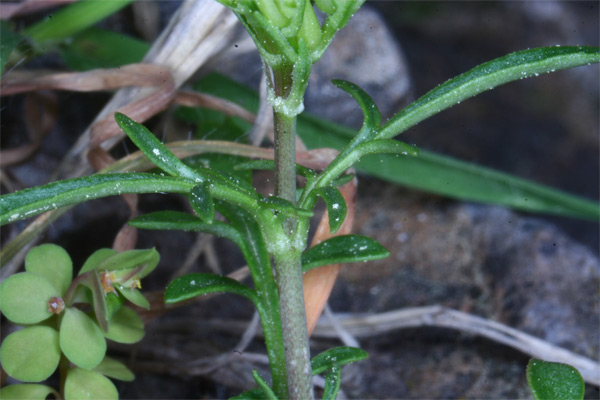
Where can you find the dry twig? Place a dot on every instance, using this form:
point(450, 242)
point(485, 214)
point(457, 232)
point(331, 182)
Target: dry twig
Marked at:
point(369, 325)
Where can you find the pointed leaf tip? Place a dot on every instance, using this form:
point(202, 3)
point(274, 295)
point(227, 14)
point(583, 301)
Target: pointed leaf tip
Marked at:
point(369, 108)
point(343, 249)
point(192, 285)
point(554, 381)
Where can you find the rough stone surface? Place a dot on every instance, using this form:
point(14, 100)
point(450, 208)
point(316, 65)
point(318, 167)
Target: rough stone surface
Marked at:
point(484, 260)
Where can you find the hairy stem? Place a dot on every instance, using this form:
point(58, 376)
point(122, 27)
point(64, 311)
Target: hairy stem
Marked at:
point(288, 263)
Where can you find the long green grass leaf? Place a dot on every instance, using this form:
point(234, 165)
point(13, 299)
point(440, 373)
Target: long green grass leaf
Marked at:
point(450, 177)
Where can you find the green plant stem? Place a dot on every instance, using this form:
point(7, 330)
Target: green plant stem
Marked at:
point(288, 262)
point(285, 157)
point(293, 325)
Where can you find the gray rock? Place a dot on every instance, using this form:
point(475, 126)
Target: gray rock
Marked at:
point(488, 261)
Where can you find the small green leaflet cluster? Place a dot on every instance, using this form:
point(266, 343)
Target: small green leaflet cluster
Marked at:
point(72, 318)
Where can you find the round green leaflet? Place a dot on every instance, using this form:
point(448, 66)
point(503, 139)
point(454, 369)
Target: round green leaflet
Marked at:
point(27, 391)
point(82, 384)
point(53, 263)
point(81, 339)
point(24, 298)
point(31, 354)
point(126, 326)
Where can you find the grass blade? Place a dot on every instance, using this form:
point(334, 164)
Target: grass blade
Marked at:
point(72, 19)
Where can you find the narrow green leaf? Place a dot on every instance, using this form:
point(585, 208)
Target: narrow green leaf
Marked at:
point(192, 285)
point(53, 263)
point(126, 326)
point(512, 67)
point(254, 249)
point(81, 339)
point(337, 356)
point(264, 386)
point(73, 18)
point(9, 40)
point(327, 6)
point(336, 206)
point(263, 165)
point(82, 384)
point(155, 150)
point(554, 381)
point(202, 203)
point(175, 220)
point(284, 207)
point(253, 394)
point(31, 354)
point(24, 298)
point(343, 249)
point(370, 111)
point(29, 202)
point(450, 177)
point(134, 296)
point(113, 304)
point(101, 48)
point(466, 181)
point(27, 391)
point(114, 369)
point(333, 380)
point(92, 290)
point(269, 165)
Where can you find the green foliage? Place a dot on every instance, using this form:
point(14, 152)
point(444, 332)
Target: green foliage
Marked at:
point(47, 299)
point(24, 298)
point(336, 357)
point(9, 41)
point(82, 384)
point(100, 48)
point(126, 326)
point(27, 391)
point(72, 19)
point(31, 354)
point(202, 203)
point(428, 171)
point(290, 39)
point(330, 362)
point(53, 263)
point(554, 381)
point(81, 339)
point(343, 249)
point(112, 368)
point(336, 206)
point(193, 285)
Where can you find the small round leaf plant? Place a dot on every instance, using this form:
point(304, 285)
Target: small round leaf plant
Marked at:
point(67, 320)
